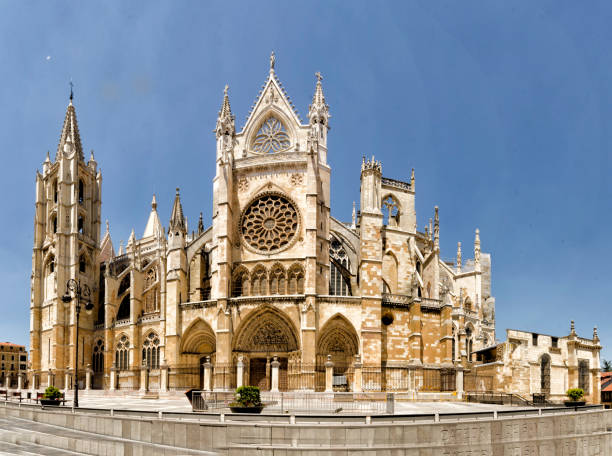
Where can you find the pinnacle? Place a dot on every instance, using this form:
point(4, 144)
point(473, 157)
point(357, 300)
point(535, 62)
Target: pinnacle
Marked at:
point(70, 137)
point(177, 220)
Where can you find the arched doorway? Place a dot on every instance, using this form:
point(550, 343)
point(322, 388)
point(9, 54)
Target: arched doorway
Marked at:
point(339, 340)
point(263, 335)
point(197, 344)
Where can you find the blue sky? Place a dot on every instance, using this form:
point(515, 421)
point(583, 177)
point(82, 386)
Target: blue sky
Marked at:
point(503, 109)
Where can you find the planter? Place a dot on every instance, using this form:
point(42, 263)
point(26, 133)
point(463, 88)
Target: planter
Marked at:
point(575, 403)
point(257, 409)
point(54, 402)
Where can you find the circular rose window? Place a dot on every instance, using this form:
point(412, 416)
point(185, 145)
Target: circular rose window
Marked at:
point(270, 223)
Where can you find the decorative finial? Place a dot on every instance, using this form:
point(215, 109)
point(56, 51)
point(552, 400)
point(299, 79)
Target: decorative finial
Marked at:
point(436, 230)
point(572, 328)
point(107, 226)
point(353, 217)
point(318, 76)
point(154, 202)
point(225, 89)
point(272, 61)
point(595, 336)
point(458, 256)
point(177, 190)
point(71, 91)
point(412, 180)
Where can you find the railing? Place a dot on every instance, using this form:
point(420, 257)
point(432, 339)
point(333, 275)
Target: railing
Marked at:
point(430, 303)
point(124, 322)
point(395, 183)
point(301, 402)
point(396, 300)
point(490, 397)
point(198, 304)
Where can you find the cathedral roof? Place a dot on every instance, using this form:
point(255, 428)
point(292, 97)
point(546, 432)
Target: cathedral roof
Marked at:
point(266, 92)
point(154, 226)
point(70, 137)
point(177, 220)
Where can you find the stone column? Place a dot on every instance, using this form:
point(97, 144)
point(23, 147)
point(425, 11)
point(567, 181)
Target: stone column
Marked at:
point(207, 375)
point(274, 365)
point(144, 378)
point(20, 382)
point(7, 382)
point(329, 375)
point(163, 381)
point(239, 372)
point(459, 383)
point(357, 388)
point(113, 378)
point(88, 372)
point(67, 380)
point(50, 378)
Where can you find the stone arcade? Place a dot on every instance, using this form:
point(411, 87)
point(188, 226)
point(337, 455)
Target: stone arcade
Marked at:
point(275, 291)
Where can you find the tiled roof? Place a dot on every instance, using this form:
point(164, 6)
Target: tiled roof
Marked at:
point(9, 344)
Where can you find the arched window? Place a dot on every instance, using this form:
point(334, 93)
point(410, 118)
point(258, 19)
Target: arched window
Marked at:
point(277, 281)
point(54, 223)
point(240, 283)
point(296, 280)
point(51, 265)
point(80, 224)
point(98, 356)
point(151, 296)
point(81, 191)
point(150, 351)
point(271, 137)
point(82, 264)
point(545, 374)
point(469, 344)
point(55, 191)
point(258, 282)
point(454, 343)
point(390, 210)
point(583, 375)
point(122, 356)
point(49, 281)
point(124, 309)
point(339, 275)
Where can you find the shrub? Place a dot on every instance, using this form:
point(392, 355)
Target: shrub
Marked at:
point(52, 393)
point(575, 394)
point(247, 396)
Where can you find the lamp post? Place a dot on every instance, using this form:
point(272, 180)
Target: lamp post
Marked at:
point(80, 292)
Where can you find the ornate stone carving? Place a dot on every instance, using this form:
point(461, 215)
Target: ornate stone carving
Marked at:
point(297, 179)
point(243, 184)
point(269, 223)
point(271, 137)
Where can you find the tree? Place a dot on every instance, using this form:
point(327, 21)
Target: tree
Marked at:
point(606, 365)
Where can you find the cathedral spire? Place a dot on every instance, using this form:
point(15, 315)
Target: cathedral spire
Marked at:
point(436, 230)
point(154, 226)
point(225, 120)
point(70, 139)
point(318, 111)
point(177, 220)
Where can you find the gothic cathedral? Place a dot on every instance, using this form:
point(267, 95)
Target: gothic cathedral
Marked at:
point(275, 283)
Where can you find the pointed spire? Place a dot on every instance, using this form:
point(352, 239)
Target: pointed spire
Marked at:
point(477, 246)
point(430, 229)
point(458, 257)
point(107, 227)
point(177, 220)
point(132, 238)
point(412, 180)
point(353, 225)
point(107, 250)
point(225, 120)
point(436, 230)
point(121, 250)
point(200, 225)
point(154, 226)
point(318, 111)
point(70, 139)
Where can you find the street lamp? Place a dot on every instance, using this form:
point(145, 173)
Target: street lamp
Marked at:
point(80, 292)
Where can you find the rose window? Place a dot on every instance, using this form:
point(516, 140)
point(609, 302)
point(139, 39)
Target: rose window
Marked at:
point(269, 223)
point(271, 137)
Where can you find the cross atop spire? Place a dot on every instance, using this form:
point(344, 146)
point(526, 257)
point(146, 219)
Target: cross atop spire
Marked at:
point(71, 91)
point(318, 111)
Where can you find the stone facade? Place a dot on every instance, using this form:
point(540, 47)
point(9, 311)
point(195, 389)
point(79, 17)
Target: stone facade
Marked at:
point(274, 276)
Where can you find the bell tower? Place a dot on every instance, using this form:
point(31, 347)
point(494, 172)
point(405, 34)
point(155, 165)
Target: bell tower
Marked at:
point(66, 246)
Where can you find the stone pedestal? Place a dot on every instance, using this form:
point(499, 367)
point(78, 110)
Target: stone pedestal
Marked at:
point(88, 373)
point(275, 368)
point(144, 379)
point(357, 387)
point(459, 383)
point(329, 375)
point(207, 375)
point(239, 372)
point(113, 378)
point(163, 381)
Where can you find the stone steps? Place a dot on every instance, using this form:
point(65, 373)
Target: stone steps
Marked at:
point(19, 436)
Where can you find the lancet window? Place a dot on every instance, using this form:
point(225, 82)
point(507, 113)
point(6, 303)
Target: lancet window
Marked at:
point(296, 280)
point(240, 283)
point(390, 209)
point(583, 375)
point(258, 282)
point(272, 137)
point(81, 192)
point(150, 351)
point(98, 356)
point(278, 281)
point(151, 298)
point(122, 353)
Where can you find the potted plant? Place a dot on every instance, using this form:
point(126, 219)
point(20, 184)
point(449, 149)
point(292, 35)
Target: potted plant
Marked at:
point(575, 395)
point(248, 400)
point(51, 396)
